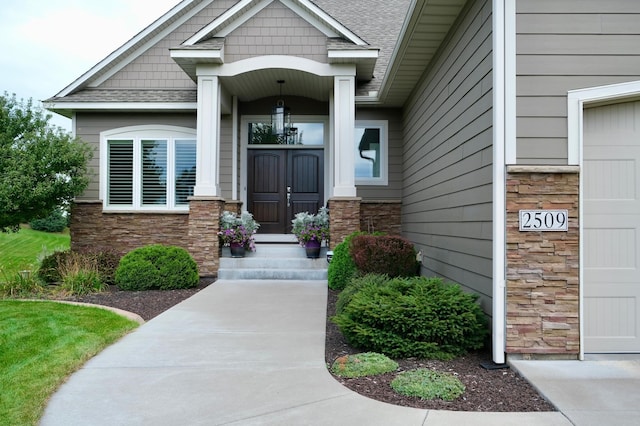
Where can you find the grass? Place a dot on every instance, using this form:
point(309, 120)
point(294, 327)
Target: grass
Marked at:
point(42, 343)
point(363, 364)
point(22, 250)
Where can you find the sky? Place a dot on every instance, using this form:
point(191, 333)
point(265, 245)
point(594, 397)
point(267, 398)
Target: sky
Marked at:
point(45, 45)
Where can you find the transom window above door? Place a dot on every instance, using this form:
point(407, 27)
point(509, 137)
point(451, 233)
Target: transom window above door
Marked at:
point(147, 168)
point(305, 133)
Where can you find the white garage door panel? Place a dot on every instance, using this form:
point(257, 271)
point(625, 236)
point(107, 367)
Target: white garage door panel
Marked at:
point(611, 228)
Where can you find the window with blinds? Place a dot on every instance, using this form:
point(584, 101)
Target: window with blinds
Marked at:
point(120, 184)
point(185, 168)
point(150, 173)
point(154, 172)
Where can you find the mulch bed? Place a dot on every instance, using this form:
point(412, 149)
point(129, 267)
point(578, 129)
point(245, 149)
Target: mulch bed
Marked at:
point(486, 390)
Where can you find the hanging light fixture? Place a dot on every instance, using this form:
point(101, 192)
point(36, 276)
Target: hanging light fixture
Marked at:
point(281, 121)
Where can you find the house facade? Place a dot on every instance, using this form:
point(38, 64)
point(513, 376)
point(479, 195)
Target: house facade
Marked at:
point(499, 136)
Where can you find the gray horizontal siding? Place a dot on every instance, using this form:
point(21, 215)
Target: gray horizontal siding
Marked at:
point(564, 45)
point(90, 125)
point(447, 158)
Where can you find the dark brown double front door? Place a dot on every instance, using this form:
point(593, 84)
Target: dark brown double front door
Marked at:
point(283, 182)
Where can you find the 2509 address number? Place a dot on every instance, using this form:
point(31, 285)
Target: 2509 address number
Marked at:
point(544, 220)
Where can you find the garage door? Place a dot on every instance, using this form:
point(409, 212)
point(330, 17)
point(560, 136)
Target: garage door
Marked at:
point(612, 228)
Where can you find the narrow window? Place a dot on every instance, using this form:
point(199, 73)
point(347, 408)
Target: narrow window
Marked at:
point(154, 172)
point(185, 167)
point(120, 163)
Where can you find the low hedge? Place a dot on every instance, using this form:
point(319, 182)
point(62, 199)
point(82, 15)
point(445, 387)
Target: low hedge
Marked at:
point(157, 267)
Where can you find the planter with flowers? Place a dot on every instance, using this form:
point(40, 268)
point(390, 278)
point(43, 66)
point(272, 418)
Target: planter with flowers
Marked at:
point(311, 230)
point(238, 232)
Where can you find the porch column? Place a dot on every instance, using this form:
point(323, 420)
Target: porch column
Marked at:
point(344, 126)
point(208, 136)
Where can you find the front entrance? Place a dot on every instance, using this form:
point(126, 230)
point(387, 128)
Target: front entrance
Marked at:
point(612, 228)
point(283, 182)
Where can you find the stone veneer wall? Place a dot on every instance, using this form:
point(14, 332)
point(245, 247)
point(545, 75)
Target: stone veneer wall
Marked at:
point(204, 224)
point(344, 218)
point(542, 267)
point(93, 230)
point(382, 216)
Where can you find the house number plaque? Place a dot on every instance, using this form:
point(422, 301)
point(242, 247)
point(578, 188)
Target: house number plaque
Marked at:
point(544, 220)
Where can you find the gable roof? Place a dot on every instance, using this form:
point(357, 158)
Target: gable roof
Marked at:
point(354, 30)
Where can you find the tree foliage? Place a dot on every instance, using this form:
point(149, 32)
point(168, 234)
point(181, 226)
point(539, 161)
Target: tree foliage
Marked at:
point(42, 166)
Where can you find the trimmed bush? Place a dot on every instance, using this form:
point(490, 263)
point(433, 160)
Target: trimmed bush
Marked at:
point(355, 285)
point(364, 364)
point(157, 267)
point(342, 267)
point(384, 254)
point(55, 222)
point(413, 317)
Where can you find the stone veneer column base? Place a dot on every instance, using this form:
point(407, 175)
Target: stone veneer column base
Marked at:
point(344, 218)
point(204, 224)
point(543, 271)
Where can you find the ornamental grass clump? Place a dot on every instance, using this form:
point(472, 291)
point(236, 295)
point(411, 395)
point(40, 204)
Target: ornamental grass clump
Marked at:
point(307, 227)
point(239, 230)
point(413, 317)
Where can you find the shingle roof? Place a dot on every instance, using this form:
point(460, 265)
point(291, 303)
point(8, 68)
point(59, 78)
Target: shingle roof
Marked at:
point(130, 95)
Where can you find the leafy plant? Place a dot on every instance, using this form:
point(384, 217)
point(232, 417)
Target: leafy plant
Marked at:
point(157, 267)
point(413, 317)
point(342, 267)
point(384, 254)
point(238, 229)
point(48, 270)
point(307, 226)
point(363, 364)
point(428, 384)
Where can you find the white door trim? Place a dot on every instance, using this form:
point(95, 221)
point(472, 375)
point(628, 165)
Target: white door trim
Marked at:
point(576, 101)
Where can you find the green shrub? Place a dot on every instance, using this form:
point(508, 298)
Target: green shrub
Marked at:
point(55, 222)
point(48, 270)
point(22, 284)
point(384, 254)
point(157, 267)
point(428, 384)
point(79, 275)
point(413, 317)
point(364, 364)
point(355, 285)
point(342, 268)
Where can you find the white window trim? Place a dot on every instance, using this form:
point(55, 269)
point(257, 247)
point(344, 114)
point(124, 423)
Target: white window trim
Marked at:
point(383, 180)
point(138, 133)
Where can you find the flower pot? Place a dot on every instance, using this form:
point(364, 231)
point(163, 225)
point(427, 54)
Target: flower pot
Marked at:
point(312, 248)
point(237, 249)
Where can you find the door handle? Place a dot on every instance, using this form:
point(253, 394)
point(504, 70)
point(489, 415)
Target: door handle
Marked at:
point(288, 196)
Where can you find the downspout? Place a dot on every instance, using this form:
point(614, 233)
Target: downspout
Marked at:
point(234, 150)
point(499, 184)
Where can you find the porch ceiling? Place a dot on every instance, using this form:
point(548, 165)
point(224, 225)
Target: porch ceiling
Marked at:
point(263, 83)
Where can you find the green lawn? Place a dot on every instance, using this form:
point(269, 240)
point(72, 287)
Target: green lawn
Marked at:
point(41, 344)
point(22, 250)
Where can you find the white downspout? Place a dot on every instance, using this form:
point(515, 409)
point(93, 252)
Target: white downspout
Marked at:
point(499, 186)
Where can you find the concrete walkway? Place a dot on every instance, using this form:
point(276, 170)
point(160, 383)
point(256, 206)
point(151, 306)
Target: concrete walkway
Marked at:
point(237, 353)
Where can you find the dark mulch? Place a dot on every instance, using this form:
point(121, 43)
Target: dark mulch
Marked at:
point(486, 390)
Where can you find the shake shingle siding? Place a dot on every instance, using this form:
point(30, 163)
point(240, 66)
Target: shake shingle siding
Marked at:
point(447, 192)
point(564, 45)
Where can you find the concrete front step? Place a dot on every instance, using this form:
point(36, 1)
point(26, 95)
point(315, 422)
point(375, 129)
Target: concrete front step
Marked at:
point(274, 261)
